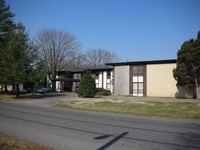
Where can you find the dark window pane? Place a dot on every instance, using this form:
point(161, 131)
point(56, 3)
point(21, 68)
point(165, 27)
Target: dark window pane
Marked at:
point(108, 75)
point(135, 70)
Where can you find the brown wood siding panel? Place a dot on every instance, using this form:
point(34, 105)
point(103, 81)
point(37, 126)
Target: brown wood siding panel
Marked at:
point(131, 80)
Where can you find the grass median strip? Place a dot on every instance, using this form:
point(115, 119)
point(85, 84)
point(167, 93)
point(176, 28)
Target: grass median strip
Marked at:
point(183, 110)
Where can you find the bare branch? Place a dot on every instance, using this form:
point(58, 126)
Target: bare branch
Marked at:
point(99, 57)
point(56, 48)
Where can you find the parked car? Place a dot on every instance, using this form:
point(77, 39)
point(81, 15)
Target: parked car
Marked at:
point(46, 89)
point(42, 89)
point(39, 90)
point(101, 89)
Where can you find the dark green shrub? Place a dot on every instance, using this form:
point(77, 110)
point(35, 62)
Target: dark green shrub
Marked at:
point(87, 86)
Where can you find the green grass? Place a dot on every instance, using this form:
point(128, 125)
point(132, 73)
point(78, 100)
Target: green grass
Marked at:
point(183, 110)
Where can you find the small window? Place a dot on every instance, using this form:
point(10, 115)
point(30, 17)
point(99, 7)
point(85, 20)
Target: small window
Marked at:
point(97, 76)
point(97, 85)
point(108, 74)
point(137, 70)
point(108, 86)
point(58, 86)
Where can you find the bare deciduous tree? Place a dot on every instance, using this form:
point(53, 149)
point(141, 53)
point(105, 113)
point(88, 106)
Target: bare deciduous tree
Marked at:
point(97, 58)
point(57, 49)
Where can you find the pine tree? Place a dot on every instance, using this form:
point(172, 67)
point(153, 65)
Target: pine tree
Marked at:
point(16, 50)
point(87, 86)
point(6, 31)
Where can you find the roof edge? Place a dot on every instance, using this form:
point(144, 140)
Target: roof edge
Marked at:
point(167, 61)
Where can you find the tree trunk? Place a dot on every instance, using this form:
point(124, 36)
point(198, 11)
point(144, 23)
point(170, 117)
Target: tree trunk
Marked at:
point(198, 92)
point(53, 85)
point(17, 91)
point(6, 87)
point(197, 89)
point(53, 81)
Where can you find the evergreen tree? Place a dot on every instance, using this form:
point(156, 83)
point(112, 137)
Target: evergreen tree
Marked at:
point(17, 58)
point(39, 74)
point(87, 86)
point(187, 72)
point(6, 31)
point(16, 50)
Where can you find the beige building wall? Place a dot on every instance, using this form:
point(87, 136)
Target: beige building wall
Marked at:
point(160, 80)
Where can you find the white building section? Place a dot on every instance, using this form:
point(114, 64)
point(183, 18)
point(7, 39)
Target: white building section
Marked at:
point(103, 79)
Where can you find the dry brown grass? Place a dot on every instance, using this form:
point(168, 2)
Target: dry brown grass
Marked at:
point(182, 110)
point(23, 95)
point(8, 142)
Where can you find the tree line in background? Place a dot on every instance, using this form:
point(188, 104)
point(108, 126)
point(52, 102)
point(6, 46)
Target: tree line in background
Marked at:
point(30, 61)
point(52, 50)
point(60, 50)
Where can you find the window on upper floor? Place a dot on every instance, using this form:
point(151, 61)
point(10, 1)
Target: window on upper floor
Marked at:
point(108, 74)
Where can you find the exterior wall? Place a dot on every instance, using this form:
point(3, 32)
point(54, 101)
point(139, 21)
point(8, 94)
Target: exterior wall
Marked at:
point(112, 82)
point(103, 82)
point(186, 92)
point(97, 82)
point(100, 79)
point(160, 80)
point(121, 80)
point(104, 79)
point(75, 84)
point(57, 85)
point(10, 87)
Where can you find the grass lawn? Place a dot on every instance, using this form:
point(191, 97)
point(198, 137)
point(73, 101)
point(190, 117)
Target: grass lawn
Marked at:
point(182, 110)
point(8, 142)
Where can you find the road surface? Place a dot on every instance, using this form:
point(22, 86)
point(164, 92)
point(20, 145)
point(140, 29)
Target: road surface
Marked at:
point(77, 130)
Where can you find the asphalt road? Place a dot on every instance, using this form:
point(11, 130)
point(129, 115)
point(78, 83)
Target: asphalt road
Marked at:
point(77, 130)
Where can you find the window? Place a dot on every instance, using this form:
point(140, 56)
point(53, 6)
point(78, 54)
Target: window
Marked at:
point(97, 85)
point(138, 79)
point(108, 74)
point(97, 75)
point(58, 86)
point(108, 86)
point(97, 79)
point(138, 70)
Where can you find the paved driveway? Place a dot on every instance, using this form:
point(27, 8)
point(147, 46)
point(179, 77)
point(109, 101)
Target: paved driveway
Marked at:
point(48, 99)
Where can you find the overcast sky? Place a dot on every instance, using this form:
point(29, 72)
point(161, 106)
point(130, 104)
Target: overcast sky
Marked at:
point(133, 29)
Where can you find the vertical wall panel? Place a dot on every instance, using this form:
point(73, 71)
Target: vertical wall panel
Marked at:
point(121, 80)
point(160, 80)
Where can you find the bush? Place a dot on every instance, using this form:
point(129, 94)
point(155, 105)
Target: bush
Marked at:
point(87, 86)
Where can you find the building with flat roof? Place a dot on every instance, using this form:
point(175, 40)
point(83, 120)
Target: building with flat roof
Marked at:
point(147, 78)
point(137, 78)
